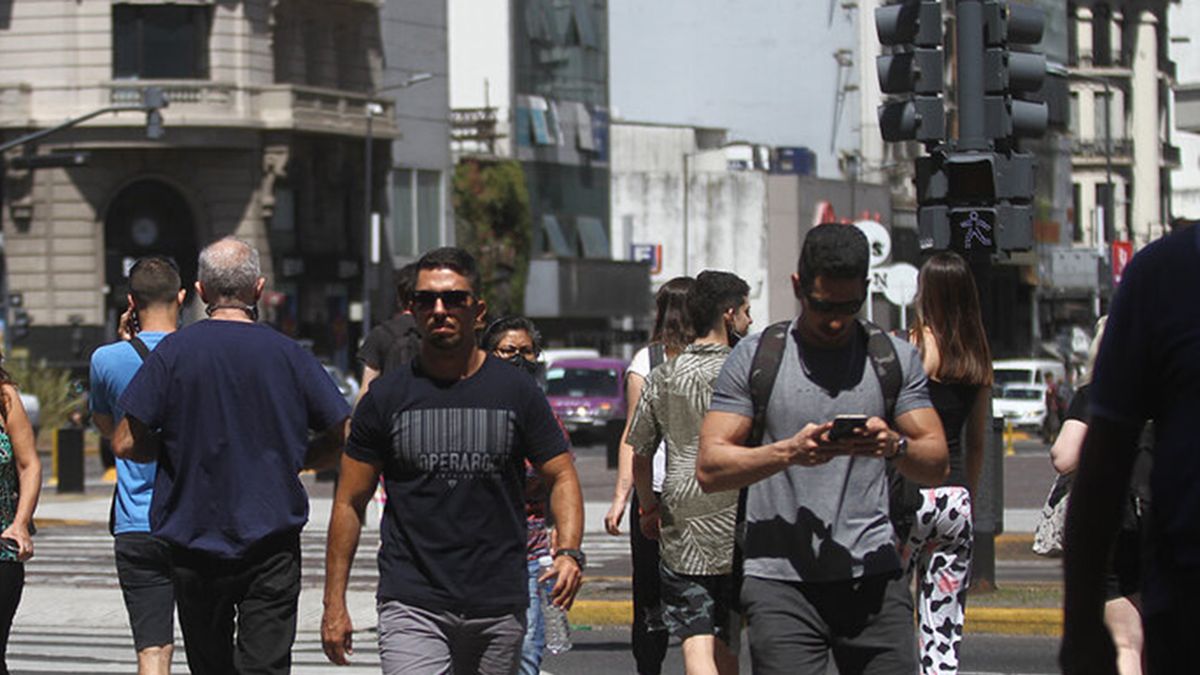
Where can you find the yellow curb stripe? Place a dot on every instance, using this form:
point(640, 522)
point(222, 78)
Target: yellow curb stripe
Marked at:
point(1003, 620)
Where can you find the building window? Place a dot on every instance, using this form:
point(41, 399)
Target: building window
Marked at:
point(160, 42)
point(1102, 35)
point(416, 211)
point(1076, 208)
point(1074, 128)
point(1103, 107)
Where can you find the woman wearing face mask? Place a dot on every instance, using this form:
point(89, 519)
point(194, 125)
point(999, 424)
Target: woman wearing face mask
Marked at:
point(515, 340)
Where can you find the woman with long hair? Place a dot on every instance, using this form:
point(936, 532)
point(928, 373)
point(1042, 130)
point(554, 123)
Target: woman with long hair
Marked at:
point(20, 485)
point(949, 333)
point(672, 332)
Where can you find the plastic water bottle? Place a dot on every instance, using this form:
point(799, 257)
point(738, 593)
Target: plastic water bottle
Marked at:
point(558, 631)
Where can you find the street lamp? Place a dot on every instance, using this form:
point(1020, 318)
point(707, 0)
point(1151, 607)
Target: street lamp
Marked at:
point(370, 243)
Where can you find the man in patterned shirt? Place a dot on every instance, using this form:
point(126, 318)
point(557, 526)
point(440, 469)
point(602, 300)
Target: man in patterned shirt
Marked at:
point(695, 530)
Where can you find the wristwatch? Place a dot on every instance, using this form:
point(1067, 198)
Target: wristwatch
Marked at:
point(901, 447)
point(574, 554)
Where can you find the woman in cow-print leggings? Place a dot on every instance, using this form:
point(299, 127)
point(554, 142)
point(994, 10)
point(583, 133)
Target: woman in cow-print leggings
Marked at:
point(949, 333)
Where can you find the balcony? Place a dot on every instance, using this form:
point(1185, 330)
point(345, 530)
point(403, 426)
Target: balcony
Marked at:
point(203, 103)
point(1091, 151)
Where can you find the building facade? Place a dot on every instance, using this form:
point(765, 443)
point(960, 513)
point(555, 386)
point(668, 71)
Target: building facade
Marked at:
point(529, 81)
point(264, 139)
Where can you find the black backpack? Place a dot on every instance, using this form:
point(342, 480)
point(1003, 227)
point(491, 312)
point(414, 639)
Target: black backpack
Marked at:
point(404, 343)
point(904, 496)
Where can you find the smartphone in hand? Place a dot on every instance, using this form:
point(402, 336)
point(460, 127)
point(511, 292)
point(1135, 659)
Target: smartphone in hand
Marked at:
point(10, 545)
point(846, 426)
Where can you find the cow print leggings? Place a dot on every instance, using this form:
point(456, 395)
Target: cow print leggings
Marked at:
point(938, 551)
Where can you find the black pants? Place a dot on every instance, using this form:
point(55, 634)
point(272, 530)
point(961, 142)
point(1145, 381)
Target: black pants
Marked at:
point(649, 647)
point(12, 582)
point(260, 592)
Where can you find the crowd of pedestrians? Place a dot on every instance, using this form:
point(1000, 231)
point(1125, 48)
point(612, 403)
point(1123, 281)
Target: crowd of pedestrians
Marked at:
point(794, 486)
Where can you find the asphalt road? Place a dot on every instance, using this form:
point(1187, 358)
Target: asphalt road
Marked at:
point(604, 651)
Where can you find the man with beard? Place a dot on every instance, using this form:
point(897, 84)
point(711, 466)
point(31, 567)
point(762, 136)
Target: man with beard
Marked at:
point(450, 436)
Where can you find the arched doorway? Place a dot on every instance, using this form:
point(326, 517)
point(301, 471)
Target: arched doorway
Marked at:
point(148, 217)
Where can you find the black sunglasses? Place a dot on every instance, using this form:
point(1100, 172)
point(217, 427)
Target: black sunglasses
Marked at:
point(427, 300)
point(844, 308)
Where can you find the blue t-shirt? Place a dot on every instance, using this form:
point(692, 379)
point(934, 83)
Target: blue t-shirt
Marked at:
point(1149, 368)
point(113, 366)
point(453, 456)
point(233, 403)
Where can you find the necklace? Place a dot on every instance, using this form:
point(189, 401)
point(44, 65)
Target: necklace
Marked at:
point(250, 310)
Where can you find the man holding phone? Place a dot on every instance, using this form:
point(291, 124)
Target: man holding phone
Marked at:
point(143, 563)
point(821, 572)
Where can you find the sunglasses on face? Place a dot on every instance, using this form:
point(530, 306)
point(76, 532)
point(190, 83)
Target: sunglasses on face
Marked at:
point(845, 308)
point(509, 352)
point(427, 300)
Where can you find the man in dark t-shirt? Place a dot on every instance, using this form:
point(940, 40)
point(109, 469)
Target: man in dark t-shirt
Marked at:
point(450, 435)
point(1148, 368)
point(225, 406)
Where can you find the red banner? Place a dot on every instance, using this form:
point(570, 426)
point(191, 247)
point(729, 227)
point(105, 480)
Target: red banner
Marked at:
point(1122, 253)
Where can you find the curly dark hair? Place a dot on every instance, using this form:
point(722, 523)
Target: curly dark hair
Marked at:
point(712, 294)
point(453, 258)
point(834, 251)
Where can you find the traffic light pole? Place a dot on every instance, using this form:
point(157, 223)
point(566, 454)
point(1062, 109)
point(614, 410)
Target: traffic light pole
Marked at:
point(969, 48)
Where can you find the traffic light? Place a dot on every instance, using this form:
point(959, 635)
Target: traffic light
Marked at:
point(20, 323)
point(154, 99)
point(912, 72)
point(975, 201)
point(1008, 74)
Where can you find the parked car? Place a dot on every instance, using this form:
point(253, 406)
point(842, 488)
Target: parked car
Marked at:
point(1022, 404)
point(554, 354)
point(346, 384)
point(1026, 371)
point(588, 394)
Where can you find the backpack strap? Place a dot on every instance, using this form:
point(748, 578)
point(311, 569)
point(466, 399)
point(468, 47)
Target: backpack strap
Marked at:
point(768, 356)
point(886, 364)
point(658, 354)
point(140, 347)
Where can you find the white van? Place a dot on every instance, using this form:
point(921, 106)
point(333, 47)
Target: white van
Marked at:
point(1026, 371)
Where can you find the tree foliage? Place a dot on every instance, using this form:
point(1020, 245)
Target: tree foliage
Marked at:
point(493, 222)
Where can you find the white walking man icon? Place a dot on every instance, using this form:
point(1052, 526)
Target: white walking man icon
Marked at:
point(975, 227)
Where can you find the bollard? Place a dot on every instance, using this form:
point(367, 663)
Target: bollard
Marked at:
point(68, 459)
point(612, 441)
point(988, 511)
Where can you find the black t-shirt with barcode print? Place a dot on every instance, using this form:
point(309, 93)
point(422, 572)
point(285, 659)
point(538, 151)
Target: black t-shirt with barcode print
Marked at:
point(453, 529)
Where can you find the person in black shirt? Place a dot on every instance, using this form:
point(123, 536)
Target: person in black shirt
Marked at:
point(450, 436)
point(394, 342)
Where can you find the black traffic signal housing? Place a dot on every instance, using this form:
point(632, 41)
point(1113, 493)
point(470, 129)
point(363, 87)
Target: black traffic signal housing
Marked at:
point(20, 323)
point(1008, 74)
point(975, 202)
point(912, 72)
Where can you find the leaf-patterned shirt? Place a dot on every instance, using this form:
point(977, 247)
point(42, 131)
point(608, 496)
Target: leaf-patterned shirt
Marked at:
point(696, 533)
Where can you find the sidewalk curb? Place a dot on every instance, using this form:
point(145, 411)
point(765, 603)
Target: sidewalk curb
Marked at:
point(996, 620)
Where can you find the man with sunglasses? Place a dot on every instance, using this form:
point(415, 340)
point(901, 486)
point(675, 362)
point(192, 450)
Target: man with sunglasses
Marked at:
point(821, 572)
point(143, 562)
point(450, 436)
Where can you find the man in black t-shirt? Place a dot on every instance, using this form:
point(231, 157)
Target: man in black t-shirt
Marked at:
point(394, 342)
point(450, 436)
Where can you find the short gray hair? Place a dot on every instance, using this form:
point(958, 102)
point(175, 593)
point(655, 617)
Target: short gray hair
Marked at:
point(229, 268)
